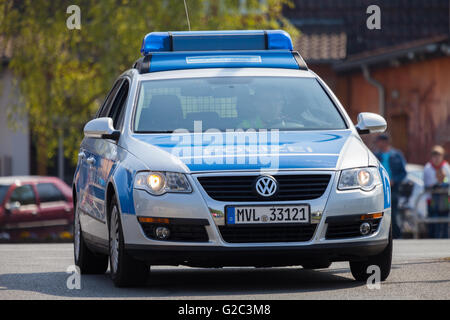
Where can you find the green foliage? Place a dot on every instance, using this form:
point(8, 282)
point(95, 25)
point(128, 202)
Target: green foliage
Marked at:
point(64, 74)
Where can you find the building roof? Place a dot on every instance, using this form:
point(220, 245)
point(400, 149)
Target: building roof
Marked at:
point(28, 179)
point(434, 46)
point(402, 21)
point(322, 47)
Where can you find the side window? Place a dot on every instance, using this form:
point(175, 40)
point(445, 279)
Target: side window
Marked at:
point(3, 191)
point(117, 110)
point(24, 195)
point(104, 109)
point(48, 192)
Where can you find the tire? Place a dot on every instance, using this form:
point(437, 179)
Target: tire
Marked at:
point(88, 261)
point(383, 260)
point(312, 266)
point(125, 271)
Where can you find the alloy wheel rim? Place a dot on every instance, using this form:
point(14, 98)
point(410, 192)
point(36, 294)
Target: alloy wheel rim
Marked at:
point(114, 240)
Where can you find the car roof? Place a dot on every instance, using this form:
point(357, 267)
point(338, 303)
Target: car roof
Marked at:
point(26, 179)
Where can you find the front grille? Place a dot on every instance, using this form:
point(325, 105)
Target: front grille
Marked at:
point(342, 230)
point(178, 232)
point(241, 188)
point(272, 233)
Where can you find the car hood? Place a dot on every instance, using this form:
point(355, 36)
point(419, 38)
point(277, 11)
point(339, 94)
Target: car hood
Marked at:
point(192, 152)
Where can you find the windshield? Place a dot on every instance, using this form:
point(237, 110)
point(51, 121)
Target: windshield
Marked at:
point(284, 103)
point(3, 190)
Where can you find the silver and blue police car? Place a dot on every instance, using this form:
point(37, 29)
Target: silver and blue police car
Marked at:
point(223, 149)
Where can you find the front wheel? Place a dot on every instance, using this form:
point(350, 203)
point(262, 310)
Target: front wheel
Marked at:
point(383, 260)
point(125, 271)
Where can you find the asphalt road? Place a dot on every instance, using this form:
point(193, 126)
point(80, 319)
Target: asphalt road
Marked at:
point(421, 270)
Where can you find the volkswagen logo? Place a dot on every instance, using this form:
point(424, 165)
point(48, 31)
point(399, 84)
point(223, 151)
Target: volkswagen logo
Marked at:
point(266, 186)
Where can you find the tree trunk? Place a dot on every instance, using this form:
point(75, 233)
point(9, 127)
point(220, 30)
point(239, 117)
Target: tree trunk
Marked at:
point(41, 150)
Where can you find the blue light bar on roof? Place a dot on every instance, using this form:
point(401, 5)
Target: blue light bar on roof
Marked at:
point(156, 42)
point(164, 61)
point(279, 39)
point(216, 41)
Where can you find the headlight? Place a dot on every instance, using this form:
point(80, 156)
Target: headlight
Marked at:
point(360, 178)
point(158, 183)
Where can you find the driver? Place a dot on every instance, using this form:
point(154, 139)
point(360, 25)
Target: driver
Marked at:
point(267, 110)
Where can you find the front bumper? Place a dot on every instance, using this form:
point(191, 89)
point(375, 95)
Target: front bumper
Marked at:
point(217, 252)
point(219, 256)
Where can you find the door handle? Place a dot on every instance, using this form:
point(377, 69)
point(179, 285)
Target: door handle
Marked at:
point(90, 161)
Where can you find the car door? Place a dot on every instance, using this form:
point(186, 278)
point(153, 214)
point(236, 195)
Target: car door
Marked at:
point(21, 210)
point(105, 153)
point(53, 207)
point(91, 188)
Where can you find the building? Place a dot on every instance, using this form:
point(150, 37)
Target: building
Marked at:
point(14, 135)
point(413, 81)
point(400, 71)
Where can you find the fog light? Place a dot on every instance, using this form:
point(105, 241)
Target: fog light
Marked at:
point(162, 233)
point(365, 228)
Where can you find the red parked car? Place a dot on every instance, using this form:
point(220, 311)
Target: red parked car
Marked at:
point(35, 208)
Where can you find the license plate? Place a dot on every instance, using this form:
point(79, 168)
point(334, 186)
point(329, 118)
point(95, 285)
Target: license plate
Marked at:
point(267, 214)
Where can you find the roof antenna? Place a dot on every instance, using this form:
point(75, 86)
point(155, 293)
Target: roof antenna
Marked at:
point(187, 15)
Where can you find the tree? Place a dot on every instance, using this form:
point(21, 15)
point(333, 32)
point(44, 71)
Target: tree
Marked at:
point(64, 74)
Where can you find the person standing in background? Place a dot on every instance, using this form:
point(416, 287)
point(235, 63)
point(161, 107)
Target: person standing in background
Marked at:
point(394, 163)
point(436, 178)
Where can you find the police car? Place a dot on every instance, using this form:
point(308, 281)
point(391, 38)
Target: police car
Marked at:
point(221, 148)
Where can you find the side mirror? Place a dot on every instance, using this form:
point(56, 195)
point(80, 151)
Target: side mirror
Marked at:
point(101, 128)
point(12, 206)
point(370, 123)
